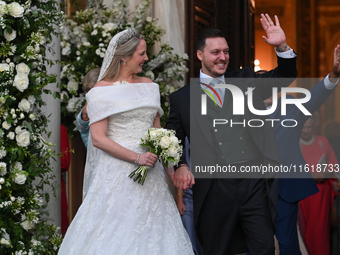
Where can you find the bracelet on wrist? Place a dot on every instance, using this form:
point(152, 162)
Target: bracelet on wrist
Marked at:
point(183, 165)
point(136, 162)
point(179, 194)
point(282, 49)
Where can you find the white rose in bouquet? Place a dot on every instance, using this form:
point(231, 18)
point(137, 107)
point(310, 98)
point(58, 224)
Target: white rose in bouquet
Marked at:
point(173, 152)
point(23, 138)
point(165, 142)
point(22, 68)
point(10, 36)
point(24, 105)
point(21, 81)
point(20, 178)
point(16, 10)
point(154, 133)
point(174, 140)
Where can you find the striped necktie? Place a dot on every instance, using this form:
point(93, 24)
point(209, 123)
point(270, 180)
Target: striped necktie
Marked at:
point(219, 91)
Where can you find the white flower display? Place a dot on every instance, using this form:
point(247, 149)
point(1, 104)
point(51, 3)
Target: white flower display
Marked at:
point(22, 68)
point(23, 138)
point(28, 31)
point(24, 105)
point(10, 36)
point(4, 67)
point(16, 10)
point(21, 81)
point(20, 178)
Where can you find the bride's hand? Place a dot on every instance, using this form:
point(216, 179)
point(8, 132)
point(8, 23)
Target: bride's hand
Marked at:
point(147, 159)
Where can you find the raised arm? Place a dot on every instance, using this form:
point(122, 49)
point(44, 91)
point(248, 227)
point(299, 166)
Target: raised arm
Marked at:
point(275, 34)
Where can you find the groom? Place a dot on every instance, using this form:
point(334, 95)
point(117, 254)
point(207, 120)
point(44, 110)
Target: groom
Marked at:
point(232, 215)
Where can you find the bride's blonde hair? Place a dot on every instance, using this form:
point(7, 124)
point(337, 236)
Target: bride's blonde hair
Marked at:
point(125, 50)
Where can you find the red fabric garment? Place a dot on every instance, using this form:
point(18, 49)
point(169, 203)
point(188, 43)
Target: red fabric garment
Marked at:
point(65, 163)
point(316, 209)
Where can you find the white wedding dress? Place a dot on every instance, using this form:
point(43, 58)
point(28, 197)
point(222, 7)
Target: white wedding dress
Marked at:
point(118, 215)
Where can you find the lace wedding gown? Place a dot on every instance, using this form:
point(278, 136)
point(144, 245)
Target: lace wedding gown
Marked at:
point(118, 215)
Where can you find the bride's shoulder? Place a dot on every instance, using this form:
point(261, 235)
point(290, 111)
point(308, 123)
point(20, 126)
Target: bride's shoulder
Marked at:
point(144, 80)
point(102, 83)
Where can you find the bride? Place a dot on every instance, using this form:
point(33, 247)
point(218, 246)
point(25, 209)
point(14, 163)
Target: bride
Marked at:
point(118, 215)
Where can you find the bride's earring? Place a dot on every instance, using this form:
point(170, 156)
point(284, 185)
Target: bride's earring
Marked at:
point(124, 62)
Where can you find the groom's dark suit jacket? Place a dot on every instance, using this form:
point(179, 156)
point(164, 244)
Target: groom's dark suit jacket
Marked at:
point(264, 138)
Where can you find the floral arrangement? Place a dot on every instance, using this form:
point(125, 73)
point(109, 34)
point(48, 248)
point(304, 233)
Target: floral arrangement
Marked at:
point(26, 28)
point(85, 38)
point(163, 143)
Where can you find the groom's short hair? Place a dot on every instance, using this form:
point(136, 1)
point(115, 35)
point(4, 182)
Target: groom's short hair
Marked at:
point(208, 33)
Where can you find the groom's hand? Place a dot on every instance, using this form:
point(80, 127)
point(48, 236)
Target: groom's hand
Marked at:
point(183, 178)
point(275, 34)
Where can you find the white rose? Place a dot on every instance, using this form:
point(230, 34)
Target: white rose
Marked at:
point(165, 142)
point(6, 125)
point(3, 168)
point(148, 19)
point(2, 180)
point(72, 85)
point(23, 138)
point(21, 81)
point(174, 140)
point(10, 36)
point(173, 152)
point(18, 166)
point(150, 75)
point(24, 105)
point(31, 99)
point(32, 117)
point(18, 130)
point(27, 224)
point(154, 133)
point(20, 178)
point(11, 135)
point(22, 68)
point(16, 10)
point(3, 153)
point(4, 67)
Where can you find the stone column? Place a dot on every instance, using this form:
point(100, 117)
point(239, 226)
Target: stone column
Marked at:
point(52, 109)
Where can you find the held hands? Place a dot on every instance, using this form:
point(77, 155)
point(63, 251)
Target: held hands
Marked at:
point(275, 34)
point(183, 178)
point(147, 159)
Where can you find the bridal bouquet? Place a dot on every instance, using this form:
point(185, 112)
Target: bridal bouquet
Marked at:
point(165, 145)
